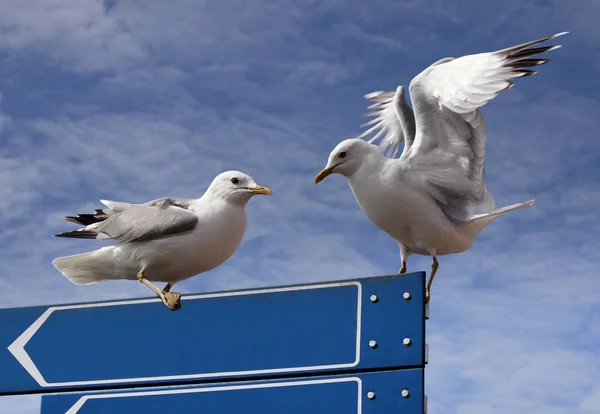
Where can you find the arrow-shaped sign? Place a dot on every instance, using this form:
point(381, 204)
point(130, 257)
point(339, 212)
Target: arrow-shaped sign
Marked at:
point(337, 326)
point(368, 393)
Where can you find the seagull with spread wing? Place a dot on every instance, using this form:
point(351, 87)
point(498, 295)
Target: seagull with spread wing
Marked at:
point(163, 240)
point(433, 199)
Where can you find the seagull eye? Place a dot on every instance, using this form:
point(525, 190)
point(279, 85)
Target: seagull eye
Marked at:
point(342, 154)
point(235, 180)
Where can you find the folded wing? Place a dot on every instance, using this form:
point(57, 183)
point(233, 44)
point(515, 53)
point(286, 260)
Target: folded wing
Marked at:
point(118, 206)
point(139, 223)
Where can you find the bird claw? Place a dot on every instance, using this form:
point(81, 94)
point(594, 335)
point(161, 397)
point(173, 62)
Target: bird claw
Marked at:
point(171, 299)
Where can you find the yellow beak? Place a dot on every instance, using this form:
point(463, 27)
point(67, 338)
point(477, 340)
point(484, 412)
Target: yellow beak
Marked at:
point(259, 189)
point(324, 173)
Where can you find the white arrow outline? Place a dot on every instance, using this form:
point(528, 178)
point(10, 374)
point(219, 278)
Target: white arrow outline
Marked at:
point(77, 406)
point(17, 348)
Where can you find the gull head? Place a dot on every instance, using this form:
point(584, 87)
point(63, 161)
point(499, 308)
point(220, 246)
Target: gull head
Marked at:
point(236, 187)
point(346, 158)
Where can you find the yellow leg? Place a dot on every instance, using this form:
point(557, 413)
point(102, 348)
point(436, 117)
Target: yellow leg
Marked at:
point(434, 268)
point(170, 299)
point(141, 278)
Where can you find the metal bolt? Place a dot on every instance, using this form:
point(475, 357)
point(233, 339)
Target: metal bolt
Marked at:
point(406, 296)
point(374, 298)
point(371, 395)
point(373, 343)
point(407, 342)
point(405, 393)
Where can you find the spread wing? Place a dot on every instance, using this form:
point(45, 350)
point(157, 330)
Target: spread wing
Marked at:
point(448, 152)
point(139, 223)
point(394, 121)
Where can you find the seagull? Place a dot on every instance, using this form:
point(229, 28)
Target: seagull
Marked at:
point(433, 199)
point(164, 240)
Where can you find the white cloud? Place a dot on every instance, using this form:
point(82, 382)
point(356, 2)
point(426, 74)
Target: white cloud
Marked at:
point(78, 34)
point(591, 402)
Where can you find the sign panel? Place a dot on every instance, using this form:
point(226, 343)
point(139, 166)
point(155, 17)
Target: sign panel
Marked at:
point(319, 328)
point(373, 393)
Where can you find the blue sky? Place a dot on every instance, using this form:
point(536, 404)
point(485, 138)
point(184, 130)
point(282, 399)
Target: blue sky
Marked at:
point(141, 99)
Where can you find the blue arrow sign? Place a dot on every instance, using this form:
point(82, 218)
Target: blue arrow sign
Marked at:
point(328, 327)
point(372, 393)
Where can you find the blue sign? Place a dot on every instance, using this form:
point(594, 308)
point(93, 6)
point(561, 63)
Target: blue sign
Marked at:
point(372, 393)
point(339, 327)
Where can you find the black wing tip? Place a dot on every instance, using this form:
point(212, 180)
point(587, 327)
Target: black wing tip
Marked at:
point(524, 53)
point(546, 38)
point(525, 49)
point(78, 234)
point(521, 57)
point(522, 73)
point(87, 219)
point(525, 63)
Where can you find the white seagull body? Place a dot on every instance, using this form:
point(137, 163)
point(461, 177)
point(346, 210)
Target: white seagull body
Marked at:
point(433, 199)
point(164, 240)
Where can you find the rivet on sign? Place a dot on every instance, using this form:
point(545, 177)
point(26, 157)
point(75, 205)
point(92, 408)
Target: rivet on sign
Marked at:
point(373, 343)
point(405, 393)
point(406, 295)
point(374, 298)
point(371, 395)
point(407, 342)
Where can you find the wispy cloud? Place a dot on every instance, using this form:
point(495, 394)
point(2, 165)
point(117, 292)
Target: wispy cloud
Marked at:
point(82, 36)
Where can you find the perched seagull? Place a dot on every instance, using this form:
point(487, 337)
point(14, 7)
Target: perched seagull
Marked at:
point(163, 240)
point(433, 199)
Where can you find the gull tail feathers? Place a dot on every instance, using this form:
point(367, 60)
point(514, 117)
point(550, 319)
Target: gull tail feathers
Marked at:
point(81, 269)
point(479, 221)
